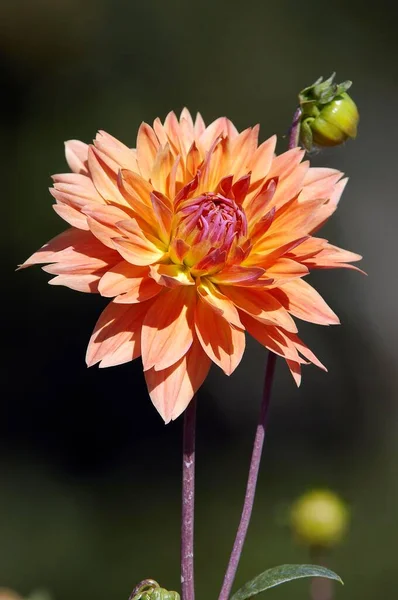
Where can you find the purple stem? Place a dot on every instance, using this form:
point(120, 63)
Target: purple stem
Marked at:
point(294, 132)
point(188, 502)
point(252, 481)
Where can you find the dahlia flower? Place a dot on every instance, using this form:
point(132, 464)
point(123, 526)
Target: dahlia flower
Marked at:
point(197, 236)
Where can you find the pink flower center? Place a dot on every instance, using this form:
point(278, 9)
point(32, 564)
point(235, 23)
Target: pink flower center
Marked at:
point(211, 218)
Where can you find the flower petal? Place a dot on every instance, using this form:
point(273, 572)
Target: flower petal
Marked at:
point(119, 324)
point(129, 283)
point(223, 343)
point(87, 282)
point(171, 276)
point(302, 301)
point(218, 302)
point(167, 332)
point(237, 275)
point(270, 337)
point(76, 153)
point(124, 157)
point(261, 305)
point(147, 148)
point(173, 388)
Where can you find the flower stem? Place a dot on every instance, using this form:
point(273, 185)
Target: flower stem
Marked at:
point(188, 502)
point(252, 481)
point(294, 132)
point(321, 588)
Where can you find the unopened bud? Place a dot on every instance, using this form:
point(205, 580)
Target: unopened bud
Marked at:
point(319, 518)
point(149, 589)
point(329, 115)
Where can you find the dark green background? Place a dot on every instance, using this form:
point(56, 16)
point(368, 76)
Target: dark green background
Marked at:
point(89, 475)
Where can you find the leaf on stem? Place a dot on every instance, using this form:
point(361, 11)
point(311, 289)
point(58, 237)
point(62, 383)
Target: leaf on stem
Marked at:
point(277, 575)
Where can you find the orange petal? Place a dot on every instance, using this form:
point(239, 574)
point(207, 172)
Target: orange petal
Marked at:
point(210, 134)
point(102, 221)
point(290, 186)
point(261, 305)
point(173, 388)
point(76, 189)
point(163, 214)
point(237, 275)
point(167, 330)
point(123, 156)
point(319, 182)
point(223, 343)
point(262, 159)
point(302, 301)
point(72, 245)
point(136, 191)
point(286, 268)
point(129, 283)
point(119, 324)
point(242, 150)
point(135, 247)
point(76, 153)
point(331, 257)
point(218, 302)
point(147, 148)
point(71, 216)
point(161, 169)
point(199, 126)
point(104, 176)
point(87, 282)
point(171, 276)
point(270, 337)
point(295, 370)
point(305, 351)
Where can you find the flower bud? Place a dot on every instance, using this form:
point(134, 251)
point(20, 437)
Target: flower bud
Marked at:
point(329, 115)
point(148, 589)
point(319, 518)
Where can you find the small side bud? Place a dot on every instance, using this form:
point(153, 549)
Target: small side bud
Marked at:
point(329, 115)
point(319, 519)
point(149, 589)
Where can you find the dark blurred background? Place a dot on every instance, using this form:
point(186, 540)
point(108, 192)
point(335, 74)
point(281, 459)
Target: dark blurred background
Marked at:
point(89, 475)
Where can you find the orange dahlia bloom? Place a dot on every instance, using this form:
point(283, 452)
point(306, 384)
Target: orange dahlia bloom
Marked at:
point(197, 235)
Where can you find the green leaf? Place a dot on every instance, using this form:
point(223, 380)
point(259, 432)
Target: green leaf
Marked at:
point(281, 574)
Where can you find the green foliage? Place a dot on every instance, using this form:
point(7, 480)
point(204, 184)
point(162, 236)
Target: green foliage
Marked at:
point(282, 574)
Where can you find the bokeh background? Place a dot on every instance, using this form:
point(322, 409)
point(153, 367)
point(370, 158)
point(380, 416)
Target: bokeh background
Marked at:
point(89, 475)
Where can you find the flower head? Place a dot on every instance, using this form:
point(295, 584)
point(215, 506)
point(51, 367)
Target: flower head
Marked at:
point(197, 235)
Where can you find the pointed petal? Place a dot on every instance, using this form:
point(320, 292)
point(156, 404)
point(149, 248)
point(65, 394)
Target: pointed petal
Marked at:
point(104, 176)
point(295, 370)
point(76, 153)
point(147, 148)
point(223, 343)
point(72, 245)
point(117, 325)
point(71, 216)
point(173, 388)
point(171, 276)
point(302, 301)
point(123, 156)
point(167, 331)
point(262, 158)
point(270, 337)
point(218, 302)
point(102, 221)
point(129, 283)
point(261, 305)
point(87, 283)
point(237, 275)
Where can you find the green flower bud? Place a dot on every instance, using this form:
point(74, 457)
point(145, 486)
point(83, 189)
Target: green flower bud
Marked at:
point(149, 589)
point(329, 115)
point(319, 518)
